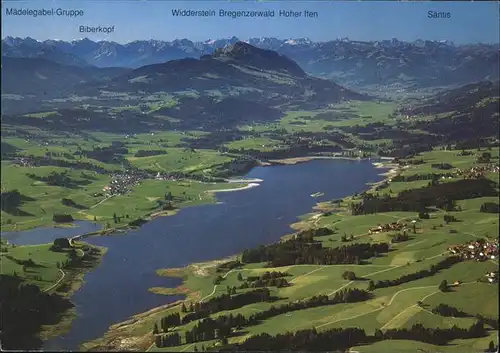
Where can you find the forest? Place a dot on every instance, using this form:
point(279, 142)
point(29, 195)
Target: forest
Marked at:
point(25, 309)
point(490, 207)
point(299, 251)
point(417, 200)
point(443, 264)
point(221, 303)
point(340, 339)
point(223, 326)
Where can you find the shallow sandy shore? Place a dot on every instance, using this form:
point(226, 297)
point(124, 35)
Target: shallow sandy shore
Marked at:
point(249, 186)
point(254, 180)
point(296, 160)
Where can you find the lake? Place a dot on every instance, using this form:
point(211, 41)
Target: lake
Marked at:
point(48, 235)
point(118, 287)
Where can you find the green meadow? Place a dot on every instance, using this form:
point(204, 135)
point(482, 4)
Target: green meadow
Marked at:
point(391, 307)
point(89, 185)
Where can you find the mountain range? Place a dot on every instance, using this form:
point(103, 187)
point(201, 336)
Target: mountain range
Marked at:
point(238, 82)
point(356, 64)
point(469, 113)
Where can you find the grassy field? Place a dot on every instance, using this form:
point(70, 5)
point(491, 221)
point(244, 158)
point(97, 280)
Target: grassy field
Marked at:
point(46, 198)
point(48, 273)
point(391, 307)
point(179, 159)
point(451, 157)
point(363, 113)
point(44, 274)
point(174, 157)
point(88, 189)
point(258, 143)
point(143, 198)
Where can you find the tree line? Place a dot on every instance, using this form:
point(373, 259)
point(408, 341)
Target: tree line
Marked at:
point(444, 166)
point(10, 201)
point(25, 309)
point(224, 325)
point(350, 295)
point(415, 177)
point(490, 207)
point(272, 282)
point(444, 264)
point(62, 218)
point(173, 339)
point(299, 251)
point(59, 154)
point(417, 200)
point(39, 161)
point(446, 310)
point(147, 153)
point(303, 340)
point(437, 336)
point(228, 266)
point(341, 339)
point(400, 237)
point(268, 279)
point(450, 311)
point(221, 303)
point(107, 154)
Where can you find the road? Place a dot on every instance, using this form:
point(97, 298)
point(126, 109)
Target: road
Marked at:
point(97, 204)
point(345, 285)
point(215, 287)
point(416, 305)
point(57, 283)
point(390, 302)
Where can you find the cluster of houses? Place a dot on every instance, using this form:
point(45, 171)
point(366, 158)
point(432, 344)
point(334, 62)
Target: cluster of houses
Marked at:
point(23, 161)
point(478, 171)
point(387, 227)
point(165, 176)
point(479, 250)
point(492, 276)
point(121, 183)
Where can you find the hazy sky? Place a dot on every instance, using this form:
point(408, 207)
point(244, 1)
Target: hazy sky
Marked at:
point(138, 19)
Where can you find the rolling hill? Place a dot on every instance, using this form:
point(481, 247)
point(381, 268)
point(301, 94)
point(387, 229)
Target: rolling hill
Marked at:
point(46, 78)
point(411, 65)
point(209, 91)
point(467, 114)
point(238, 70)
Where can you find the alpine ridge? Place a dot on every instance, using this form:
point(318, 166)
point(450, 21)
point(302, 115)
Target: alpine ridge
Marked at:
point(357, 64)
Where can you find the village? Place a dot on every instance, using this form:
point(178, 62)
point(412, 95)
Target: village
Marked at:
point(388, 227)
point(492, 276)
point(478, 171)
point(479, 250)
point(123, 182)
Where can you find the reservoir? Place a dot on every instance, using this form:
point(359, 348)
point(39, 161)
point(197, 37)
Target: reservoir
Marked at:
point(48, 235)
point(118, 287)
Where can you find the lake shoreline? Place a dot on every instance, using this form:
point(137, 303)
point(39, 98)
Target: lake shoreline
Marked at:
point(108, 340)
point(252, 182)
point(146, 217)
point(304, 159)
point(73, 280)
point(249, 186)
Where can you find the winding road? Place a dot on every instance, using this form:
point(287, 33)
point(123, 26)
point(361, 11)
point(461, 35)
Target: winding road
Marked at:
point(349, 283)
point(57, 283)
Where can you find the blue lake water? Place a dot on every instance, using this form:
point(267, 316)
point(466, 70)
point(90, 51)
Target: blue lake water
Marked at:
point(118, 287)
point(48, 235)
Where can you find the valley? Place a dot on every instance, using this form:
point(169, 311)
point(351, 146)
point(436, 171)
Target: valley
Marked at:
point(256, 195)
point(396, 307)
